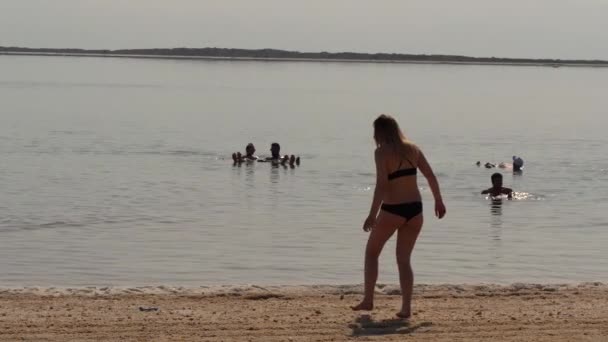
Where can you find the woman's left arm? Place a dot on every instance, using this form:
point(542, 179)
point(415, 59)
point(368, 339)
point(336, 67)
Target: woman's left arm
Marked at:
point(428, 173)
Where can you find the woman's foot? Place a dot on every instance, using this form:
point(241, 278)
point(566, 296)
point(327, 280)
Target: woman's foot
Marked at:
point(363, 306)
point(404, 314)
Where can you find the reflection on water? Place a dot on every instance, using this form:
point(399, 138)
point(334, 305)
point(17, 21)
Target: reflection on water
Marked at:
point(495, 233)
point(274, 174)
point(496, 207)
point(496, 219)
point(250, 176)
point(527, 196)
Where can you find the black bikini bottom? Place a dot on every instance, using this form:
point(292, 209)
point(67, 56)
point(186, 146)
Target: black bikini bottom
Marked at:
point(405, 210)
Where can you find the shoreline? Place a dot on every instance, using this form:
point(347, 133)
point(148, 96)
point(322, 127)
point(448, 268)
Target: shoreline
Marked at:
point(308, 60)
point(518, 312)
point(287, 290)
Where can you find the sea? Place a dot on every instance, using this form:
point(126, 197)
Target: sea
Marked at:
point(118, 171)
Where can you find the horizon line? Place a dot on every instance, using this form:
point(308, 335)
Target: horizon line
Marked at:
point(293, 55)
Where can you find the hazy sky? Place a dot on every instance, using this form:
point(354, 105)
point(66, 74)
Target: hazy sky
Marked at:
point(514, 28)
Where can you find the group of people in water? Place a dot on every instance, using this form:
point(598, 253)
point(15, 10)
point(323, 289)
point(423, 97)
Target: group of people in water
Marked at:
point(517, 165)
point(275, 156)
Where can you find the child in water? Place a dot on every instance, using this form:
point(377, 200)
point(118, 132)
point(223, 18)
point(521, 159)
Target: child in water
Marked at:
point(497, 189)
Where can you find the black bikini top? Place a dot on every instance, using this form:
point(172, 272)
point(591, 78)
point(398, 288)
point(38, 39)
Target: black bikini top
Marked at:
point(403, 172)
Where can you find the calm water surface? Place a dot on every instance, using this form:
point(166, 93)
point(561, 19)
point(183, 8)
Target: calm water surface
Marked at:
point(117, 171)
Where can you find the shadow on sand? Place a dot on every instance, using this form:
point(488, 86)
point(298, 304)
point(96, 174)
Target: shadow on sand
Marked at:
point(366, 326)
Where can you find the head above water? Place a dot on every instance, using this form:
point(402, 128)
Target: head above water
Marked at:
point(496, 180)
point(250, 149)
point(518, 163)
point(387, 131)
point(275, 150)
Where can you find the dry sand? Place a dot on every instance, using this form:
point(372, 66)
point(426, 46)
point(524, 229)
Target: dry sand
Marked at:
point(520, 312)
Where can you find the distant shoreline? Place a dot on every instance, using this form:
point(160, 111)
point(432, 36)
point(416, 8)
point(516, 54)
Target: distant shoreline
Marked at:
point(292, 56)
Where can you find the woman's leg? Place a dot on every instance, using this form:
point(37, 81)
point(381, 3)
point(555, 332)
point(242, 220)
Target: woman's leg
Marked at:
point(406, 239)
point(385, 226)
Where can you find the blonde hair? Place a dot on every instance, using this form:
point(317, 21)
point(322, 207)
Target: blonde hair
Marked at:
point(388, 134)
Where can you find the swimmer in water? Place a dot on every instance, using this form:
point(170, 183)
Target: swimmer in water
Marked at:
point(489, 165)
point(518, 164)
point(497, 189)
point(249, 155)
point(275, 151)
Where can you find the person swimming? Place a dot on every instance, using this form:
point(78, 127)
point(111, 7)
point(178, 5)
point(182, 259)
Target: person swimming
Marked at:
point(275, 156)
point(237, 157)
point(497, 189)
point(518, 164)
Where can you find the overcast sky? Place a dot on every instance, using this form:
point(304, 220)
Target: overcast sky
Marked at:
point(515, 28)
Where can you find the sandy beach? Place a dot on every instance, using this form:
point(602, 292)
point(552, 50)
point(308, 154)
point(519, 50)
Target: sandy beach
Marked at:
point(519, 312)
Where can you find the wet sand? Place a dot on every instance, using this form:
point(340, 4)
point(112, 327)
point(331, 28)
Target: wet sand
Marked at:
point(520, 312)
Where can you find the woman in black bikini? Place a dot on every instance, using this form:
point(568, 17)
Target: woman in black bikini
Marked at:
point(398, 201)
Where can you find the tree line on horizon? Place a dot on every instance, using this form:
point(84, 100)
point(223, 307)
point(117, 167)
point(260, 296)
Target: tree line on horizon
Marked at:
point(275, 53)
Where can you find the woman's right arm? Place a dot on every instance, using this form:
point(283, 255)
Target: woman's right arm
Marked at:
point(379, 191)
point(428, 173)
